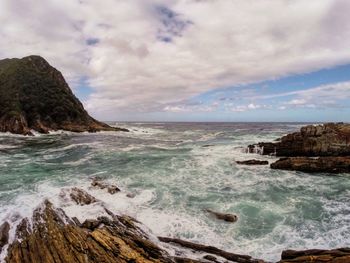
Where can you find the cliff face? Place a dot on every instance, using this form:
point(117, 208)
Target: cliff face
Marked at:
point(331, 139)
point(35, 96)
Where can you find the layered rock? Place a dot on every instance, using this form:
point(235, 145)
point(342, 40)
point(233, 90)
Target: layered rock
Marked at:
point(340, 255)
point(54, 237)
point(35, 96)
point(314, 165)
point(331, 139)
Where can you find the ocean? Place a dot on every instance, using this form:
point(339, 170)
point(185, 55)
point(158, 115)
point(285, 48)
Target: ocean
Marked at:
point(176, 171)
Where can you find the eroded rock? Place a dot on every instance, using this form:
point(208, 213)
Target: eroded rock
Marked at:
point(314, 165)
point(4, 234)
point(340, 255)
point(253, 162)
point(222, 216)
point(331, 139)
point(112, 189)
point(81, 197)
point(55, 238)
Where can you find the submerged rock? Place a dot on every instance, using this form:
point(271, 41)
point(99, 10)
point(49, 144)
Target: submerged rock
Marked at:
point(222, 216)
point(112, 189)
point(340, 255)
point(331, 139)
point(81, 197)
point(35, 96)
point(314, 165)
point(253, 162)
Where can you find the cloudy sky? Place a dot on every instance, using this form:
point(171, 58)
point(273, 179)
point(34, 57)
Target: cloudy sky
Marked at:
point(192, 60)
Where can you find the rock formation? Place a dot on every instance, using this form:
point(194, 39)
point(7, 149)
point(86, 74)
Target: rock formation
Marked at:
point(51, 236)
point(330, 143)
point(340, 255)
point(253, 162)
point(331, 139)
point(35, 96)
point(223, 216)
point(314, 165)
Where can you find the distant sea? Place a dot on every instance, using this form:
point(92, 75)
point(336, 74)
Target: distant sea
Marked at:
point(176, 170)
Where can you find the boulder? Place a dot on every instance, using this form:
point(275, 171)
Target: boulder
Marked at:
point(314, 165)
point(253, 162)
point(331, 139)
point(222, 216)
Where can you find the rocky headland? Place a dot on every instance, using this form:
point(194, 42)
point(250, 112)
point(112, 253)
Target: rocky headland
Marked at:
point(35, 96)
point(316, 148)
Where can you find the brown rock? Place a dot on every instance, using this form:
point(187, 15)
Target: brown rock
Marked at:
point(54, 239)
point(331, 139)
point(340, 255)
point(212, 250)
point(81, 197)
point(314, 165)
point(4, 234)
point(112, 189)
point(222, 216)
point(253, 162)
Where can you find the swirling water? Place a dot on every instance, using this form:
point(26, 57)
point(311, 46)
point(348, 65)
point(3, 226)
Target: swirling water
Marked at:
point(176, 170)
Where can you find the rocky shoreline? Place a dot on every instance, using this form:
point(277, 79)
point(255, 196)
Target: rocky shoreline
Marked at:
point(316, 148)
point(50, 235)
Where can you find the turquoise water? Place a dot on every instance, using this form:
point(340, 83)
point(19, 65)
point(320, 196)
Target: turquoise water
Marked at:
point(175, 178)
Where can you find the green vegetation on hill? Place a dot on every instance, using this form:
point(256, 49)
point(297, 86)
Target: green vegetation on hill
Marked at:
point(34, 95)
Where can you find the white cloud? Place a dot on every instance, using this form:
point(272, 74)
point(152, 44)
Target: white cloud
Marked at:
point(145, 59)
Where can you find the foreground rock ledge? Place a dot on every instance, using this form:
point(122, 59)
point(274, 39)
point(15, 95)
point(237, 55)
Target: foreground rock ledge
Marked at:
point(314, 165)
point(52, 237)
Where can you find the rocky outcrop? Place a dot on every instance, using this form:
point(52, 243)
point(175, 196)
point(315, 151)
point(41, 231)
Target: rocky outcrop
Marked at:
point(51, 236)
point(35, 96)
point(314, 165)
point(253, 162)
point(320, 148)
point(4, 234)
point(111, 188)
point(223, 216)
point(212, 250)
point(340, 255)
point(331, 139)
point(54, 237)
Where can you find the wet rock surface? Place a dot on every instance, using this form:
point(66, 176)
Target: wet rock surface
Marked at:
point(223, 216)
point(212, 250)
point(340, 255)
point(253, 162)
point(330, 139)
point(51, 236)
point(111, 188)
point(329, 142)
point(81, 197)
point(314, 165)
point(4, 234)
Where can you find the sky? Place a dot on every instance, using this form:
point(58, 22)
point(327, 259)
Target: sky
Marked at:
point(191, 60)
